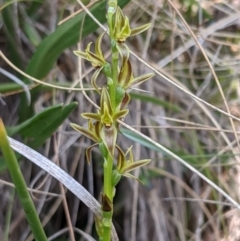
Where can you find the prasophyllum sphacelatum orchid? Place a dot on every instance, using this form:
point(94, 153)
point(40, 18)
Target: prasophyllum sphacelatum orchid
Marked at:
point(114, 97)
point(104, 130)
point(97, 60)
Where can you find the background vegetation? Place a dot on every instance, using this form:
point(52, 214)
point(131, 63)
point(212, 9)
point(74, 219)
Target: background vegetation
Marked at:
point(184, 108)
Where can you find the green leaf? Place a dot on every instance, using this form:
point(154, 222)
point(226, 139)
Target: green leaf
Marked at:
point(136, 138)
point(32, 34)
point(10, 31)
point(155, 101)
point(41, 126)
point(133, 177)
point(9, 87)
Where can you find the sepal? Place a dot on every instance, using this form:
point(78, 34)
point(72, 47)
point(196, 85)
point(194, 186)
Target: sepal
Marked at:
point(140, 29)
point(93, 116)
point(91, 135)
point(139, 80)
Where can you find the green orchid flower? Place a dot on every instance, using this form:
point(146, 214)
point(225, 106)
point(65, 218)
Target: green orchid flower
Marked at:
point(92, 132)
point(97, 60)
point(125, 166)
point(106, 115)
point(122, 28)
point(126, 80)
point(108, 120)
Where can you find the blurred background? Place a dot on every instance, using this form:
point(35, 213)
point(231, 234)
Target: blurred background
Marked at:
point(174, 204)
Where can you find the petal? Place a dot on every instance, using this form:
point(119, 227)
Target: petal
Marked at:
point(133, 177)
point(88, 153)
point(91, 126)
point(126, 100)
point(140, 29)
point(105, 99)
point(124, 52)
point(125, 31)
point(119, 20)
point(85, 132)
point(98, 128)
point(98, 49)
point(125, 75)
point(121, 159)
point(94, 79)
point(88, 47)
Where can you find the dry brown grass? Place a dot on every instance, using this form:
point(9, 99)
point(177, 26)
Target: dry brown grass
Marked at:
point(175, 204)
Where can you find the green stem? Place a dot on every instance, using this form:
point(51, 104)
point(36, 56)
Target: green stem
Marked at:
point(108, 160)
point(108, 165)
point(21, 186)
point(108, 190)
point(112, 6)
point(107, 225)
point(113, 83)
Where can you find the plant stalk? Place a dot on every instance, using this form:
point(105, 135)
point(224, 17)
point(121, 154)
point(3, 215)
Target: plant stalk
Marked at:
point(112, 7)
point(108, 190)
point(107, 225)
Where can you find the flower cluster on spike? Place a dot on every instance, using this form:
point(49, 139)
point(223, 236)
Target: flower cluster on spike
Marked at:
point(103, 125)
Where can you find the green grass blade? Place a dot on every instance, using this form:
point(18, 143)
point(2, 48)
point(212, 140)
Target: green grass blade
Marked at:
point(20, 186)
point(11, 34)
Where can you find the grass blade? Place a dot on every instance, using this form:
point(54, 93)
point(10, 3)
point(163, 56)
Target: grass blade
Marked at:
point(21, 187)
